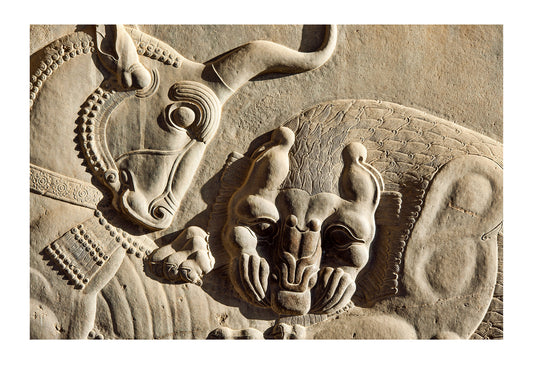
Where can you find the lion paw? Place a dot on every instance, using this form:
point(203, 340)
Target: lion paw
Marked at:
point(333, 290)
point(186, 259)
point(250, 277)
point(286, 331)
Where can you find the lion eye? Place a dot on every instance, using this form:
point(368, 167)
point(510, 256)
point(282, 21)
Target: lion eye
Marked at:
point(341, 237)
point(264, 228)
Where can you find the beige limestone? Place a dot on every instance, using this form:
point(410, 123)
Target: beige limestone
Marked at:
point(167, 201)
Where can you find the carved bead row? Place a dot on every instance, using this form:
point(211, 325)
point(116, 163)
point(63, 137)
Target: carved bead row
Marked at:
point(157, 53)
point(124, 239)
point(56, 55)
point(90, 246)
point(69, 269)
point(88, 122)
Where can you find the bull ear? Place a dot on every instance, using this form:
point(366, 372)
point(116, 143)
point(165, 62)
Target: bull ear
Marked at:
point(451, 257)
point(118, 54)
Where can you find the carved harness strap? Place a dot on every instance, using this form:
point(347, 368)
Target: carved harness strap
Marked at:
point(56, 186)
point(84, 249)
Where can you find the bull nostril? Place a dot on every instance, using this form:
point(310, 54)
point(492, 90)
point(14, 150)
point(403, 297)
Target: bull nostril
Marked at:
point(124, 177)
point(158, 213)
point(292, 221)
point(314, 225)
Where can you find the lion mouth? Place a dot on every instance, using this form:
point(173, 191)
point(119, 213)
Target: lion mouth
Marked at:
point(291, 293)
point(319, 291)
point(297, 275)
point(291, 303)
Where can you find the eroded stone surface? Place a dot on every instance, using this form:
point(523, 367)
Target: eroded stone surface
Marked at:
point(172, 199)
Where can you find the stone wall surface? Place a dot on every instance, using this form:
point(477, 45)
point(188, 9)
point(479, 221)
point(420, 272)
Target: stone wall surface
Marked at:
point(335, 182)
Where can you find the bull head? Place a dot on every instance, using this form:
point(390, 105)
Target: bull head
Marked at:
point(145, 130)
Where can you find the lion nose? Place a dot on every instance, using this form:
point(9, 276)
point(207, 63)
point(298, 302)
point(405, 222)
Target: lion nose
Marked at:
point(301, 242)
point(314, 225)
point(300, 253)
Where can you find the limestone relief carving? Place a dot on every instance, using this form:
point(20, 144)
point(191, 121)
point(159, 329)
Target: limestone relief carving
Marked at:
point(156, 214)
point(183, 101)
point(145, 115)
point(359, 208)
point(266, 227)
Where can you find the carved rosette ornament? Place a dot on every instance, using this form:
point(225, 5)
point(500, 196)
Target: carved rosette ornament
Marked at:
point(353, 219)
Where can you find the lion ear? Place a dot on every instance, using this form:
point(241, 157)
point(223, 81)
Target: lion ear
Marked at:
point(360, 182)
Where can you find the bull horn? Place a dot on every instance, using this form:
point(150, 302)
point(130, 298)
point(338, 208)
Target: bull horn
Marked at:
point(258, 57)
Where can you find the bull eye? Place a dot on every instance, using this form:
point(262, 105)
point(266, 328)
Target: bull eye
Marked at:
point(180, 115)
point(341, 237)
point(264, 228)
